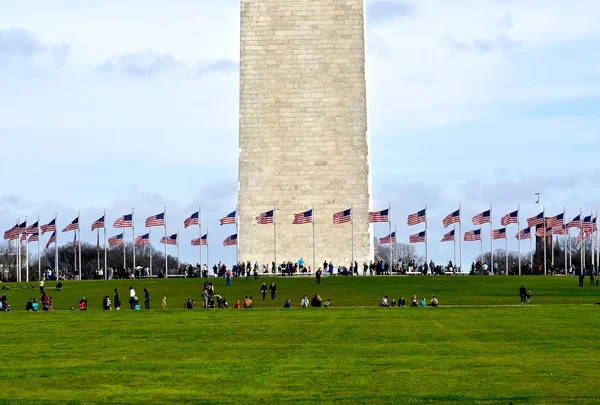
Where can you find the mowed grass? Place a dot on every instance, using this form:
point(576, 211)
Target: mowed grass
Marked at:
point(352, 353)
point(343, 291)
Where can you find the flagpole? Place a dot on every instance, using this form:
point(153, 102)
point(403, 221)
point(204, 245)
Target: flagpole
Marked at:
point(352, 222)
point(207, 253)
point(582, 239)
point(18, 240)
point(150, 246)
point(569, 242)
point(105, 254)
point(592, 240)
point(454, 243)
point(519, 233)
point(274, 235)
point(56, 245)
point(491, 241)
point(426, 240)
point(460, 231)
point(166, 258)
point(132, 236)
point(79, 227)
point(395, 233)
point(506, 239)
point(552, 248)
point(597, 245)
point(481, 243)
point(531, 249)
point(27, 253)
point(39, 257)
point(200, 235)
point(566, 238)
point(313, 239)
point(178, 260)
point(237, 241)
point(98, 248)
point(390, 233)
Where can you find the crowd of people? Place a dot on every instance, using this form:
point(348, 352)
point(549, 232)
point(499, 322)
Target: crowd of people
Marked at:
point(414, 302)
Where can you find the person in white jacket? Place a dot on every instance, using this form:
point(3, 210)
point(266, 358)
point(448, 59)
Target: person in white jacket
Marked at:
point(304, 302)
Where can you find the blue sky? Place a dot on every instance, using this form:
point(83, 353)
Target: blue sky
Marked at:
point(127, 104)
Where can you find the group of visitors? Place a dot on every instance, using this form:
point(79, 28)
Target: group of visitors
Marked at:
point(414, 302)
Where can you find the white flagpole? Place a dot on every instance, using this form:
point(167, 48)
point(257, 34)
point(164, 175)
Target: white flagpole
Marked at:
point(390, 233)
point(491, 241)
point(150, 247)
point(200, 235)
point(552, 248)
point(178, 260)
point(531, 249)
point(26, 253)
point(569, 243)
point(592, 240)
point(237, 230)
point(39, 257)
point(426, 239)
point(79, 226)
point(274, 236)
point(124, 253)
point(566, 238)
point(98, 248)
point(166, 257)
point(207, 253)
point(519, 233)
point(313, 239)
point(105, 254)
point(56, 245)
point(597, 245)
point(506, 239)
point(352, 222)
point(132, 235)
point(582, 239)
point(545, 242)
point(460, 231)
point(454, 244)
point(394, 245)
point(481, 243)
point(18, 251)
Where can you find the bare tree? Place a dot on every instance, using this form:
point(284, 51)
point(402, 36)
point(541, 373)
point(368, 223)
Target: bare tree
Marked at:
point(401, 252)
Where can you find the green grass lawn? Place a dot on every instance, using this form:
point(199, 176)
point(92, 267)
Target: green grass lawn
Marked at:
point(353, 354)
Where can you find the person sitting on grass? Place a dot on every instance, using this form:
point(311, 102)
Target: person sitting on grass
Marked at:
point(58, 286)
point(189, 305)
point(328, 303)
point(316, 301)
point(29, 306)
point(237, 304)
point(393, 305)
point(288, 304)
point(83, 304)
point(434, 302)
point(106, 304)
point(45, 302)
point(246, 302)
point(423, 302)
point(401, 302)
point(384, 301)
point(304, 302)
point(529, 297)
point(414, 302)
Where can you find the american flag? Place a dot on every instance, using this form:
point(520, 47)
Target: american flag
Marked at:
point(49, 227)
point(72, 226)
point(473, 236)
point(31, 229)
point(170, 240)
point(192, 220)
point(265, 218)
point(228, 219)
point(231, 240)
point(23, 237)
point(537, 220)
point(23, 228)
point(540, 232)
point(156, 220)
point(379, 216)
point(499, 233)
point(142, 240)
point(305, 217)
point(386, 240)
point(126, 221)
point(449, 237)
point(483, 218)
point(342, 217)
point(585, 234)
point(199, 241)
point(51, 240)
point(12, 233)
point(416, 218)
point(510, 218)
point(452, 218)
point(587, 222)
point(417, 237)
point(99, 224)
point(575, 223)
point(560, 230)
point(555, 221)
point(594, 225)
point(116, 240)
point(524, 234)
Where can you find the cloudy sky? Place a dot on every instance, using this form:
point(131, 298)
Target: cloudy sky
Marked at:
point(135, 104)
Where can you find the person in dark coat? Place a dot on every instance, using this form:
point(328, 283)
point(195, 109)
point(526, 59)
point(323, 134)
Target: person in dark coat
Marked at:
point(117, 300)
point(318, 276)
point(581, 279)
point(273, 289)
point(523, 293)
point(263, 290)
point(146, 298)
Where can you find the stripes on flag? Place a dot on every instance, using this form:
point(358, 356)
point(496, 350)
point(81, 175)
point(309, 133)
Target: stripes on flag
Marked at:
point(231, 240)
point(575, 223)
point(535, 221)
point(193, 219)
point(416, 218)
point(555, 221)
point(116, 240)
point(473, 236)
point(586, 233)
point(228, 219)
point(32, 229)
point(386, 240)
point(499, 233)
point(51, 240)
point(560, 230)
point(142, 240)
point(452, 218)
point(449, 237)
point(22, 228)
point(49, 227)
point(510, 218)
point(12, 233)
point(417, 237)
point(587, 222)
point(379, 216)
point(524, 234)
point(98, 224)
point(305, 217)
point(265, 218)
point(170, 240)
point(74, 225)
point(482, 218)
point(200, 241)
point(540, 232)
point(126, 221)
point(155, 220)
point(342, 217)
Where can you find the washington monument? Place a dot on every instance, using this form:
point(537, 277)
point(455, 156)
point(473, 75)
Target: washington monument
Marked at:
point(304, 137)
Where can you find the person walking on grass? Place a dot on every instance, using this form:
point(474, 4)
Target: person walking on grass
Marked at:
point(163, 303)
point(592, 276)
point(146, 299)
point(263, 290)
point(117, 300)
point(273, 289)
point(581, 279)
point(529, 297)
point(523, 293)
point(131, 297)
point(318, 276)
point(42, 286)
